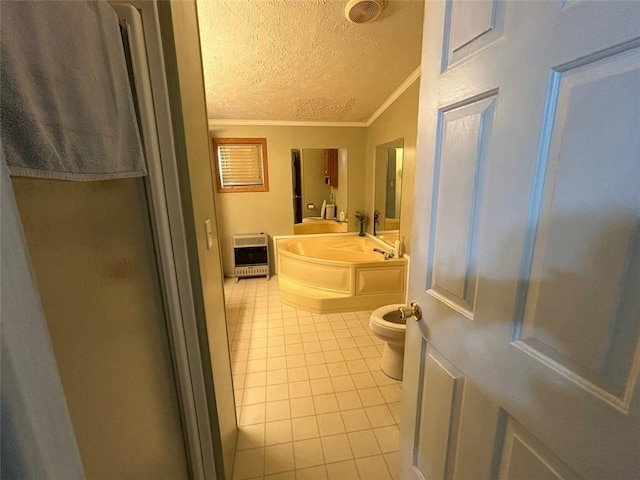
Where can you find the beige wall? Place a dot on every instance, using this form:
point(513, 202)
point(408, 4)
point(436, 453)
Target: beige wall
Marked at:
point(272, 212)
point(400, 120)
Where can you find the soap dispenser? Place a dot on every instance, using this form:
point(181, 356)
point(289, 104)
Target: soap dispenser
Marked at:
point(398, 246)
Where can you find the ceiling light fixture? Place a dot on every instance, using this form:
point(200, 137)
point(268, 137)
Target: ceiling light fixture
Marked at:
point(364, 11)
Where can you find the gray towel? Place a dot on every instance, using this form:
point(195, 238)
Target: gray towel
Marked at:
point(66, 106)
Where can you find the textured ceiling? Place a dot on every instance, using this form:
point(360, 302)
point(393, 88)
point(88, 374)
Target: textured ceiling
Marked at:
point(301, 60)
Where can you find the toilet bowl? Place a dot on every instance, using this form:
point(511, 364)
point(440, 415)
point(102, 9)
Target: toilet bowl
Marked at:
point(386, 324)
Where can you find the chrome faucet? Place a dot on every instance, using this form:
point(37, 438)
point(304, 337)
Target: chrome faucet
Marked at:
point(387, 255)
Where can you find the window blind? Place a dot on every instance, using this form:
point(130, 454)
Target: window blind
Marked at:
point(240, 165)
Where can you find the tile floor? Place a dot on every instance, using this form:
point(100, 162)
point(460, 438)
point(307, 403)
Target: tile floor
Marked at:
point(311, 400)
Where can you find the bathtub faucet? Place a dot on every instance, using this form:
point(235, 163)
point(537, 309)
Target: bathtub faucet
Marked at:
point(376, 221)
point(387, 255)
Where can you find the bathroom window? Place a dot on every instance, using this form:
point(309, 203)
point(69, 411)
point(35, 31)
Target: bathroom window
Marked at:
point(241, 164)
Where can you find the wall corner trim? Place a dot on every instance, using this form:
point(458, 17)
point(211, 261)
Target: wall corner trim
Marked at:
point(394, 96)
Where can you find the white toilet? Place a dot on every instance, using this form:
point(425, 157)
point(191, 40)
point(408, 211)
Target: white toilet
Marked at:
point(386, 324)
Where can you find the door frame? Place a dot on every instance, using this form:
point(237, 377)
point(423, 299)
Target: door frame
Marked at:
point(170, 238)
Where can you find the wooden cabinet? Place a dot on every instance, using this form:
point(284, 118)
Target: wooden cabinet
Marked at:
point(331, 167)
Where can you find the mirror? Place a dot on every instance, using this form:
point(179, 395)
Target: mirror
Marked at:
point(320, 177)
point(388, 190)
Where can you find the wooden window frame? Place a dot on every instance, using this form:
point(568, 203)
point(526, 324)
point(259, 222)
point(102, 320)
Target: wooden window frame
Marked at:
point(241, 141)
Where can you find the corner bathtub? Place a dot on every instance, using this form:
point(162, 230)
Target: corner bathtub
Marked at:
point(326, 274)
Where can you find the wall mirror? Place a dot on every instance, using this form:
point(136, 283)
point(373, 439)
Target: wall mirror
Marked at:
point(320, 178)
point(388, 190)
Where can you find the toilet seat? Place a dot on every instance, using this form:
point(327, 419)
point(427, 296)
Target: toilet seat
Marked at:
point(388, 330)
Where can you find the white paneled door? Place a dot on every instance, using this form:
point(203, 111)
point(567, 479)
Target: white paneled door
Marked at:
point(526, 244)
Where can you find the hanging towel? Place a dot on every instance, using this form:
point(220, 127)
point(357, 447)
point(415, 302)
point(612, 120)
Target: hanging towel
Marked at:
point(66, 106)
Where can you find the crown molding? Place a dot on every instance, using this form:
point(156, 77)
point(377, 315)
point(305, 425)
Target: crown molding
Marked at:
point(282, 123)
point(394, 96)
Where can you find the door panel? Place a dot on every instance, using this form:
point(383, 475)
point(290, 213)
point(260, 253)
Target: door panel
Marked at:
point(526, 244)
point(457, 199)
point(470, 27)
point(439, 415)
point(584, 250)
point(525, 458)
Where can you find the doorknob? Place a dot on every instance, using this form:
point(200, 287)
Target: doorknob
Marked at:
point(413, 310)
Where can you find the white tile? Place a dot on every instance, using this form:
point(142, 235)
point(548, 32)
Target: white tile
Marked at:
point(237, 394)
point(276, 363)
point(318, 371)
point(363, 443)
point(396, 410)
point(337, 369)
point(388, 438)
point(342, 333)
point(256, 365)
point(252, 414)
point(343, 471)
point(308, 453)
point(258, 342)
point(276, 376)
point(393, 464)
point(315, 358)
point(305, 428)
point(355, 420)
point(293, 338)
point(333, 356)
point(299, 389)
point(313, 473)
point(348, 400)
point(326, 335)
point(329, 346)
point(357, 366)
point(257, 379)
point(330, 424)
point(363, 380)
point(321, 386)
point(278, 458)
point(296, 361)
point(391, 393)
point(343, 383)
point(294, 349)
point(325, 403)
point(351, 353)
point(297, 374)
point(279, 351)
point(373, 364)
point(277, 411)
point(277, 392)
point(251, 436)
point(253, 395)
point(309, 337)
point(371, 396)
point(347, 343)
point(301, 407)
point(381, 379)
point(278, 432)
point(373, 468)
point(379, 416)
point(336, 448)
point(249, 463)
point(239, 367)
point(275, 341)
point(292, 330)
point(312, 347)
point(369, 352)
